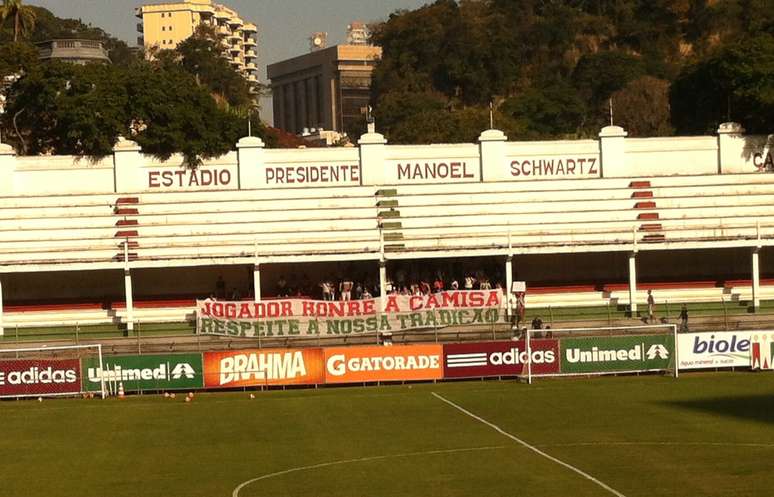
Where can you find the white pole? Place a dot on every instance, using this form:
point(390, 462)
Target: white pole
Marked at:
point(383, 283)
point(101, 371)
point(676, 354)
point(509, 284)
point(529, 357)
point(756, 279)
point(2, 332)
point(256, 282)
point(128, 290)
point(633, 283)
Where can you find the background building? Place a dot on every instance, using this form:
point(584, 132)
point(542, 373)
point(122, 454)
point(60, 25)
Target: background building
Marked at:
point(165, 25)
point(75, 51)
point(327, 88)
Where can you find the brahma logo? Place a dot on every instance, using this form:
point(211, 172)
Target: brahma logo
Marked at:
point(262, 366)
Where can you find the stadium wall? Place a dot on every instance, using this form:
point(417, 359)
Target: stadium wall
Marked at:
point(375, 163)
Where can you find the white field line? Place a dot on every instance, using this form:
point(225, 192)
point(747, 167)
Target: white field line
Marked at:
point(530, 447)
point(665, 444)
point(242, 485)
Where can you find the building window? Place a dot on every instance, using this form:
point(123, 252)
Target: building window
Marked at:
point(163, 28)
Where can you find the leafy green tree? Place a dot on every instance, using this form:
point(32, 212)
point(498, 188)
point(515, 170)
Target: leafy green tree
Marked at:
point(735, 83)
point(201, 56)
point(81, 110)
point(22, 15)
point(642, 107)
point(17, 57)
point(554, 110)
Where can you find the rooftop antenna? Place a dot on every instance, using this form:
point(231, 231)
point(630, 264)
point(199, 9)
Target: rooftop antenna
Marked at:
point(610, 102)
point(491, 115)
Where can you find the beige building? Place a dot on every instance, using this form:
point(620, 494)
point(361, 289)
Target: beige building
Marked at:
point(165, 25)
point(328, 88)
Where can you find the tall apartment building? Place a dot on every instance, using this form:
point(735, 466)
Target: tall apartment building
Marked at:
point(165, 25)
point(328, 88)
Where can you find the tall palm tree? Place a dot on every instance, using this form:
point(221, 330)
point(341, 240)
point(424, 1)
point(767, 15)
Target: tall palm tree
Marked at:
point(23, 17)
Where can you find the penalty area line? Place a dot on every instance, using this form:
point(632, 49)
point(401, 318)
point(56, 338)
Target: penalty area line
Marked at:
point(242, 485)
point(528, 446)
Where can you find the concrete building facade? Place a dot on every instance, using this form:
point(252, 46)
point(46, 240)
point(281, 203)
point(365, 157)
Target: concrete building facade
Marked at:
point(327, 88)
point(165, 25)
point(73, 50)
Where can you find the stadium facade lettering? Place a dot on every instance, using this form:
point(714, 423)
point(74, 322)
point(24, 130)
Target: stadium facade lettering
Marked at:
point(764, 160)
point(189, 178)
point(325, 174)
point(452, 170)
point(578, 167)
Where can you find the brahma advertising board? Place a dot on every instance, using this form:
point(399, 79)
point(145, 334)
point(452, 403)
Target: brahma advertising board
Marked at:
point(471, 360)
point(257, 367)
point(20, 378)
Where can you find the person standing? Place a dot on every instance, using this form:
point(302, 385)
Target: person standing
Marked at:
point(651, 305)
point(684, 319)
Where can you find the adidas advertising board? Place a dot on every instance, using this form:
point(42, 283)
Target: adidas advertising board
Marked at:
point(617, 353)
point(39, 376)
point(465, 360)
point(145, 372)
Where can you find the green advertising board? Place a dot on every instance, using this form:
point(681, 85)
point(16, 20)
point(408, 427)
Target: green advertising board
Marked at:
point(620, 353)
point(144, 372)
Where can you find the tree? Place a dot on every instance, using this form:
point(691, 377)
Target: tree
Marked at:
point(735, 83)
point(551, 110)
point(201, 56)
point(22, 15)
point(642, 107)
point(81, 110)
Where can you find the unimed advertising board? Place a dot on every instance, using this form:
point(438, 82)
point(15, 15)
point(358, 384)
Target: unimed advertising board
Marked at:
point(39, 377)
point(608, 354)
point(378, 363)
point(256, 367)
point(470, 360)
point(145, 372)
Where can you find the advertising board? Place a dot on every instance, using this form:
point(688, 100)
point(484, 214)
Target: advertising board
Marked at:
point(144, 372)
point(39, 377)
point(379, 363)
point(616, 353)
point(467, 360)
point(244, 368)
point(724, 349)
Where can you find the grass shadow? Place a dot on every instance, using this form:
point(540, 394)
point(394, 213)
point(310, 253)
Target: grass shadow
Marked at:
point(759, 408)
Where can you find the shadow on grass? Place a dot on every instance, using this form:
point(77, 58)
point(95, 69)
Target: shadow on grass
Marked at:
point(758, 408)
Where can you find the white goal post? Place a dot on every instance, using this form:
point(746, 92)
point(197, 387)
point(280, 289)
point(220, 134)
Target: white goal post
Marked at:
point(47, 371)
point(600, 351)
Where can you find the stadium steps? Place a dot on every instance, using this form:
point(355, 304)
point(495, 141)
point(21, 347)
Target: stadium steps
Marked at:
point(127, 249)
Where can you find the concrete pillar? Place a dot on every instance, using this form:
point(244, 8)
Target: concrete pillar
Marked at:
point(612, 151)
point(633, 283)
point(7, 168)
point(250, 162)
point(491, 149)
point(731, 149)
point(509, 283)
point(129, 300)
point(756, 279)
point(372, 153)
point(257, 282)
point(127, 161)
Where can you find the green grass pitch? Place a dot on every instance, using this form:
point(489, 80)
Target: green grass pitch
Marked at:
point(707, 434)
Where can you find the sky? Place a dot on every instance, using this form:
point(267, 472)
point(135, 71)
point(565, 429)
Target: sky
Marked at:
point(284, 26)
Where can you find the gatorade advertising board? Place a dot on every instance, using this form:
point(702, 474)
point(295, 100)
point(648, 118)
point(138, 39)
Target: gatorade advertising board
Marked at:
point(379, 363)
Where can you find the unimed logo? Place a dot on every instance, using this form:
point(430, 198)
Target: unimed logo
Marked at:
point(262, 366)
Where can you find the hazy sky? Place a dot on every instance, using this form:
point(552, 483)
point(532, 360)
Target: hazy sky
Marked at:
point(283, 25)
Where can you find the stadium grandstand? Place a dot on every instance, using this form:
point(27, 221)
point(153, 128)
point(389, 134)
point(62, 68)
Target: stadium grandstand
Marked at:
point(129, 239)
